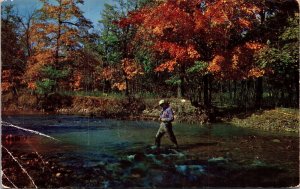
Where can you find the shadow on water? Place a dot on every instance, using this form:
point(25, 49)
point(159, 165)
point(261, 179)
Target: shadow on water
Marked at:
point(103, 153)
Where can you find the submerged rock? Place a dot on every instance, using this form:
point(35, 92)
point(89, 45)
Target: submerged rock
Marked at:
point(218, 160)
point(190, 169)
point(276, 140)
point(125, 164)
point(139, 157)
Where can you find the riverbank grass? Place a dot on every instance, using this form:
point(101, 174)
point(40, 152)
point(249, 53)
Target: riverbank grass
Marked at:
point(278, 119)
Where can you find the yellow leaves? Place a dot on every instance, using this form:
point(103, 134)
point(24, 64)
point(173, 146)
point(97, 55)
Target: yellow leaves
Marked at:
point(216, 64)
point(254, 46)
point(120, 86)
point(169, 66)
point(158, 31)
point(37, 61)
point(235, 61)
point(191, 51)
point(131, 68)
point(256, 72)
point(127, 70)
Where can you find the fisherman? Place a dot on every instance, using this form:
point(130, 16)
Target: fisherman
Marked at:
point(166, 118)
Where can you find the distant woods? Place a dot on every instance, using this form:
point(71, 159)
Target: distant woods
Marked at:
point(215, 53)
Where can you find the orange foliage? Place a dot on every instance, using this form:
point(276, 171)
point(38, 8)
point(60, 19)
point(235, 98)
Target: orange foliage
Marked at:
point(31, 85)
point(131, 68)
point(174, 28)
point(170, 27)
point(217, 64)
point(237, 64)
point(77, 82)
point(169, 66)
point(256, 72)
point(118, 74)
point(6, 85)
point(108, 73)
point(54, 39)
point(9, 79)
point(120, 86)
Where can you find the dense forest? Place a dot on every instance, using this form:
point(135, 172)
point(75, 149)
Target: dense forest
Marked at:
point(85, 104)
point(214, 53)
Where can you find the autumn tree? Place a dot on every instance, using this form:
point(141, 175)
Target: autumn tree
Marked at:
point(187, 35)
point(87, 66)
point(55, 40)
point(12, 55)
point(119, 64)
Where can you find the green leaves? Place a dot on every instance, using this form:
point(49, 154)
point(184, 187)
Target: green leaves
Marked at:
point(51, 77)
point(145, 57)
point(52, 73)
point(282, 55)
point(198, 67)
point(292, 30)
point(45, 86)
point(174, 80)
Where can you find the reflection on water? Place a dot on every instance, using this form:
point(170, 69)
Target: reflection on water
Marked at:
point(102, 149)
point(84, 134)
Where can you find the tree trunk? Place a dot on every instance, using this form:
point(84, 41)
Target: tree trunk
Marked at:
point(221, 94)
point(259, 92)
point(179, 91)
point(180, 86)
point(296, 83)
point(234, 91)
point(205, 91)
point(229, 90)
point(210, 89)
point(127, 87)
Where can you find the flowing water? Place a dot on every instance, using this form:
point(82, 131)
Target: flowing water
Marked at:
point(77, 141)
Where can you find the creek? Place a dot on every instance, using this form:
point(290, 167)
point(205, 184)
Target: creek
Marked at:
point(102, 153)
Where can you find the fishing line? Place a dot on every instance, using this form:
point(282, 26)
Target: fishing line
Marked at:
point(3, 174)
point(28, 130)
point(23, 169)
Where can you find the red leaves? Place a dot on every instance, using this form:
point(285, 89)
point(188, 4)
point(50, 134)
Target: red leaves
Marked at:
point(170, 27)
point(237, 64)
point(133, 18)
point(175, 27)
point(179, 55)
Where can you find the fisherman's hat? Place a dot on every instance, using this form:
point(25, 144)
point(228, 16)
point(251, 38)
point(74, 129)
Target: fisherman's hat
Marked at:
point(162, 102)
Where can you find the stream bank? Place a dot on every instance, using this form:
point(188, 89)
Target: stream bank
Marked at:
point(276, 119)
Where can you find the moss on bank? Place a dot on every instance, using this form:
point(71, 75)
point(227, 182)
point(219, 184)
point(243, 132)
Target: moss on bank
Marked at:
point(278, 119)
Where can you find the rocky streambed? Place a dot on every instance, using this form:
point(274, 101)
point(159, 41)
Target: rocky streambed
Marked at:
point(146, 167)
point(97, 153)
